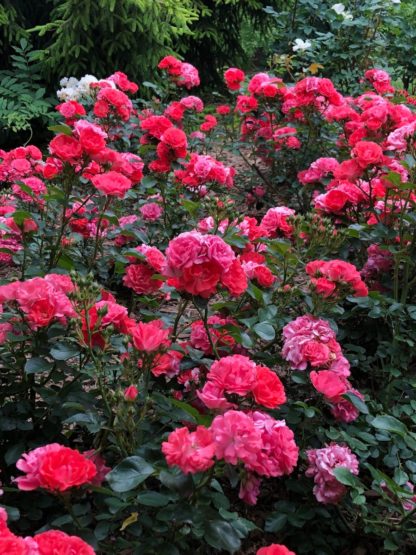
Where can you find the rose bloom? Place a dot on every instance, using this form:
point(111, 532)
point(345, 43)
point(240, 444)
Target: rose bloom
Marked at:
point(151, 211)
point(112, 183)
point(264, 276)
point(249, 489)
point(55, 468)
point(66, 148)
point(235, 373)
point(235, 279)
point(268, 390)
point(201, 279)
point(91, 137)
point(322, 462)
point(131, 393)
point(246, 104)
point(139, 277)
point(334, 200)
point(368, 153)
point(55, 542)
point(316, 353)
point(223, 110)
point(278, 453)
point(275, 221)
point(235, 437)
point(275, 549)
point(171, 64)
point(330, 384)
point(149, 337)
point(233, 78)
point(191, 451)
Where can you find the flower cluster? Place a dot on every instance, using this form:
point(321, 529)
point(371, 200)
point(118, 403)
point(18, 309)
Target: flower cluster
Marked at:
point(238, 375)
point(322, 462)
point(52, 542)
point(41, 300)
point(264, 446)
point(335, 279)
point(139, 274)
point(204, 170)
point(197, 264)
point(311, 341)
point(182, 73)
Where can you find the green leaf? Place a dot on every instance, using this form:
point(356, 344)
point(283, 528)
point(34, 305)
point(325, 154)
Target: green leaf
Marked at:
point(152, 499)
point(176, 481)
point(192, 411)
point(389, 545)
point(344, 476)
point(389, 424)
point(357, 402)
point(265, 331)
point(221, 535)
point(37, 364)
point(129, 473)
point(62, 128)
point(20, 216)
point(64, 351)
point(276, 523)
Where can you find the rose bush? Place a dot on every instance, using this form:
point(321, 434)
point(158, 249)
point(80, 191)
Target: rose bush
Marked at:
point(189, 364)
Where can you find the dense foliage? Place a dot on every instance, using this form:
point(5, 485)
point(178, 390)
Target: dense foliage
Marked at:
point(208, 321)
point(342, 40)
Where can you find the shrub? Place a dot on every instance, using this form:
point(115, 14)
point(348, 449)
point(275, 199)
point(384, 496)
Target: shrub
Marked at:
point(23, 101)
point(184, 371)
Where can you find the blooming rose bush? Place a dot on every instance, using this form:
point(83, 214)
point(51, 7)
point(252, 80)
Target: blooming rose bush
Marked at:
point(201, 357)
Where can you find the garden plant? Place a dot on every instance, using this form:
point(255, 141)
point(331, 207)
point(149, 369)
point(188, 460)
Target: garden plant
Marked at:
point(208, 320)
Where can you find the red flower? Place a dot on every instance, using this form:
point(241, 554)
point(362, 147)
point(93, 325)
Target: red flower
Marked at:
point(150, 337)
point(175, 140)
point(55, 542)
point(323, 286)
point(112, 183)
point(264, 276)
point(233, 78)
point(246, 104)
point(171, 64)
point(368, 153)
point(330, 384)
point(335, 200)
point(63, 469)
point(275, 549)
point(139, 277)
point(91, 137)
point(201, 279)
point(65, 147)
point(130, 393)
point(192, 452)
point(269, 390)
point(55, 468)
point(235, 279)
point(223, 110)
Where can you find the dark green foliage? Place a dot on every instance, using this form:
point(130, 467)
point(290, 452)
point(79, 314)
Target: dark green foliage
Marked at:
point(87, 36)
point(216, 39)
point(22, 97)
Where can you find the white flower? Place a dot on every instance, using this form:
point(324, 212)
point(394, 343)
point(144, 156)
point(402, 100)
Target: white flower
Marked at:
point(72, 89)
point(338, 9)
point(302, 45)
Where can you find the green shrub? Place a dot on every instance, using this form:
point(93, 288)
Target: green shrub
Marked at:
point(22, 97)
